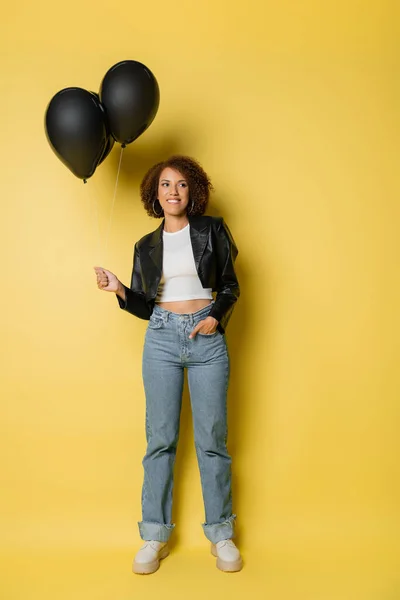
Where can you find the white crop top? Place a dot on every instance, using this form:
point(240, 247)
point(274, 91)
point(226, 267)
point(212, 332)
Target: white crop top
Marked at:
point(179, 280)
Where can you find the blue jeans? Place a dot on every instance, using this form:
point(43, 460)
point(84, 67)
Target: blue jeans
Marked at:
point(167, 351)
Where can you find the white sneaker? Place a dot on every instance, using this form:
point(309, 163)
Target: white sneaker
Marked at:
point(147, 560)
point(228, 556)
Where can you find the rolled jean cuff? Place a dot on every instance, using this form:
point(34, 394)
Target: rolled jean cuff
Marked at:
point(158, 532)
point(216, 532)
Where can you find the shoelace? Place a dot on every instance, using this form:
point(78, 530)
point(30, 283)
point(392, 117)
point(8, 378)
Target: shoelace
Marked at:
point(152, 544)
point(226, 543)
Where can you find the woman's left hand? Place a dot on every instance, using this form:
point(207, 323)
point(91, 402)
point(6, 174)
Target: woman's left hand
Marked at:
point(206, 326)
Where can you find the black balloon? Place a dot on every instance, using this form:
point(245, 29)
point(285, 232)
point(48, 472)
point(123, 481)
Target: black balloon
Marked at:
point(110, 140)
point(76, 130)
point(130, 94)
point(109, 146)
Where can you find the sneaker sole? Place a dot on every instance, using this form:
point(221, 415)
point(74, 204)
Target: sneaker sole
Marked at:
point(227, 566)
point(150, 567)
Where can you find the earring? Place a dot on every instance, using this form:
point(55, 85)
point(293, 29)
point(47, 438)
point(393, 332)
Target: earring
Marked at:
point(191, 208)
point(154, 210)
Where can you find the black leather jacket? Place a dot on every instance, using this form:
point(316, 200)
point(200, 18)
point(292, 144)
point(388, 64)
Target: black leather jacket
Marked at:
point(214, 252)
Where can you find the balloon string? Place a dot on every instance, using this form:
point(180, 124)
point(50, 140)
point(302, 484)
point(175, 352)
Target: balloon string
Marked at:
point(98, 225)
point(113, 200)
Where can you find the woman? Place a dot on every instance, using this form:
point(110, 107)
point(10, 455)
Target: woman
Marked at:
point(175, 270)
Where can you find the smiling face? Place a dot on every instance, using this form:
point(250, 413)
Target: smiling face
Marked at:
point(173, 192)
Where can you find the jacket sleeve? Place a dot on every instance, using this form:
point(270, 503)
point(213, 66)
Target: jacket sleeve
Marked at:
point(135, 302)
point(228, 290)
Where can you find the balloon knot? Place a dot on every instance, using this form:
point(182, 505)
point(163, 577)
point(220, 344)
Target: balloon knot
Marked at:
point(84, 181)
point(123, 145)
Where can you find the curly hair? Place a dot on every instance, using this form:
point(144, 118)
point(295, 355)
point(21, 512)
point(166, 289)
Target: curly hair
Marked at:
point(199, 182)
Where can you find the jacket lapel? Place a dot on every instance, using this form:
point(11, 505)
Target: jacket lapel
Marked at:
point(156, 247)
point(198, 236)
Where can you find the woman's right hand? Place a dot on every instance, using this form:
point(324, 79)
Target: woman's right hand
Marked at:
point(106, 280)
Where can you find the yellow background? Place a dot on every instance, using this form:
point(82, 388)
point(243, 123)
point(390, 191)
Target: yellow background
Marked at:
point(292, 108)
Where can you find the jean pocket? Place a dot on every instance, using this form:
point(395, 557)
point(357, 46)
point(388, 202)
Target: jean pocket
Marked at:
point(155, 323)
point(208, 334)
